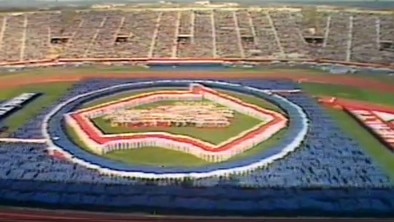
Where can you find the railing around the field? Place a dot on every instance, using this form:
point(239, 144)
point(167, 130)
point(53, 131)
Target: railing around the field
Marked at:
point(184, 61)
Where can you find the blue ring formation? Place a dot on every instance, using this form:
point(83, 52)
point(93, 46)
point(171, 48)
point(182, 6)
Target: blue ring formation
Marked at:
point(56, 127)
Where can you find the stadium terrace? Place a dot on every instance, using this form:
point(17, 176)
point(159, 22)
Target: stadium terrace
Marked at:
point(204, 34)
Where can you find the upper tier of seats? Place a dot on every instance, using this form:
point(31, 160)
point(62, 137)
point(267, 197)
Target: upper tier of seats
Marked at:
point(181, 33)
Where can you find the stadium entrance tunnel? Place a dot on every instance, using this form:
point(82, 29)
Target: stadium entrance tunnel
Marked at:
point(54, 127)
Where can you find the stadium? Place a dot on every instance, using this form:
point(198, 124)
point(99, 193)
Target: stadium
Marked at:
point(197, 110)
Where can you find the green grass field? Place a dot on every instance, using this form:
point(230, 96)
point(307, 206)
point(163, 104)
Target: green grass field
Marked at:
point(54, 91)
point(147, 156)
point(369, 143)
point(372, 146)
point(364, 95)
point(51, 94)
point(58, 72)
point(156, 156)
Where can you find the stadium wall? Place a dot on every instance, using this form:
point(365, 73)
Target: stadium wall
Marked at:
point(229, 62)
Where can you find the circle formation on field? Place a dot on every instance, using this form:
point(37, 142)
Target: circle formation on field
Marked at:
point(57, 137)
point(240, 124)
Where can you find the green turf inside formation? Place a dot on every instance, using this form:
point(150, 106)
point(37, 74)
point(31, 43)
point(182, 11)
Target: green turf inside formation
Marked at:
point(239, 123)
point(125, 94)
point(372, 146)
point(156, 156)
point(146, 156)
point(51, 93)
point(349, 93)
point(241, 96)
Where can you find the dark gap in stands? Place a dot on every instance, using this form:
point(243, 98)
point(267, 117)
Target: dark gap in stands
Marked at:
point(59, 40)
point(184, 39)
point(207, 13)
point(122, 38)
point(247, 38)
point(386, 46)
point(316, 41)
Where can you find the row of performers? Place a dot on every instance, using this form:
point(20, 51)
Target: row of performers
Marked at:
point(201, 124)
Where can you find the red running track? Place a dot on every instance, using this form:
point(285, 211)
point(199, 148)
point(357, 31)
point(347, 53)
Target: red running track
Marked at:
point(32, 215)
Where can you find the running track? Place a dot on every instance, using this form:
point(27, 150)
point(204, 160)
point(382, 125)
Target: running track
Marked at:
point(20, 214)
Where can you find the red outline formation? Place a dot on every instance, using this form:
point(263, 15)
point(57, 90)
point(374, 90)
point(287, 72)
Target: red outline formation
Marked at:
point(379, 120)
point(272, 122)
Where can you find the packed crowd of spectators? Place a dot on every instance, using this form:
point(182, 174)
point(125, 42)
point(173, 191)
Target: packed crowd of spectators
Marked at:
point(183, 33)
